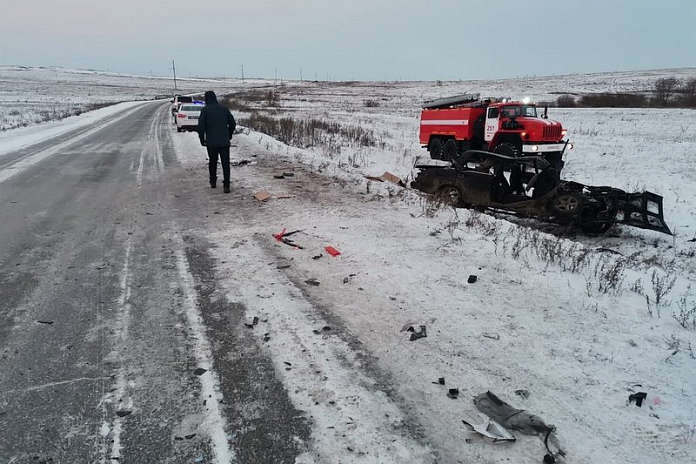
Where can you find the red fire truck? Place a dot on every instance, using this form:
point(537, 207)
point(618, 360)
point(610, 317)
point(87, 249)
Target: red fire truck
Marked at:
point(453, 125)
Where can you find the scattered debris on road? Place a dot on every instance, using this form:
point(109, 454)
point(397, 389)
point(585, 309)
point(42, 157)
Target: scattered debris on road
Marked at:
point(472, 279)
point(251, 322)
point(313, 282)
point(489, 428)
point(638, 398)
point(517, 419)
point(123, 412)
point(453, 393)
point(524, 394)
point(242, 162)
point(416, 335)
point(283, 237)
point(332, 251)
point(387, 177)
point(492, 336)
point(45, 322)
point(263, 195)
point(200, 371)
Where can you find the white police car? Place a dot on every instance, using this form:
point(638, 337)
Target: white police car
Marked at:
point(187, 116)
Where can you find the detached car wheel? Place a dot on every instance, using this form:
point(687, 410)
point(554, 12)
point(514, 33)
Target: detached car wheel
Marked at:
point(566, 205)
point(450, 196)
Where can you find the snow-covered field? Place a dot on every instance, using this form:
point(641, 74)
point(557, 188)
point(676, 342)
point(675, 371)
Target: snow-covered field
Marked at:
point(573, 320)
point(30, 95)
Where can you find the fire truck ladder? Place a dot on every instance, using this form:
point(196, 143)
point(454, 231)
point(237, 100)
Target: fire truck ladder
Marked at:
point(451, 101)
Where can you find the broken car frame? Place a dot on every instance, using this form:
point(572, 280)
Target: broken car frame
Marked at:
point(530, 186)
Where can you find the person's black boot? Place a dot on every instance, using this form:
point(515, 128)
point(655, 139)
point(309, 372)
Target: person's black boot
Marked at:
point(213, 184)
point(227, 188)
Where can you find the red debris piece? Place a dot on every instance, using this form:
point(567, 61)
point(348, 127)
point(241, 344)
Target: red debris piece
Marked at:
point(332, 251)
point(279, 236)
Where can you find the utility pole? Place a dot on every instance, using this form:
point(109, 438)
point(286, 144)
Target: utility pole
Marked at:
point(174, 69)
point(275, 79)
point(300, 74)
point(242, 72)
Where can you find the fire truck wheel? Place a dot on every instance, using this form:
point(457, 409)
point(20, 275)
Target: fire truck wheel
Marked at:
point(507, 149)
point(450, 195)
point(450, 150)
point(435, 148)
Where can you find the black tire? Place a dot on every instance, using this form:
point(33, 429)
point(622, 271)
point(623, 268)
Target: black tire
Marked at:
point(451, 150)
point(178, 129)
point(507, 149)
point(450, 195)
point(566, 205)
point(435, 148)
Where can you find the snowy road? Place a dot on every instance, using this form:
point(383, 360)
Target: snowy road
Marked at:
point(122, 341)
point(129, 291)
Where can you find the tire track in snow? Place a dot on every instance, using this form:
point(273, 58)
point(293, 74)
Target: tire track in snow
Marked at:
point(214, 422)
point(113, 427)
point(151, 149)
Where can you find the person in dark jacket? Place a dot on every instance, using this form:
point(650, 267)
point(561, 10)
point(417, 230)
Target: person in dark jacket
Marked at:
point(215, 128)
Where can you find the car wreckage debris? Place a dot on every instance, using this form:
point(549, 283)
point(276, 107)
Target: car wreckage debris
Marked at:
point(332, 251)
point(416, 335)
point(489, 428)
point(517, 419)
point(283, 237)
point(638, 398)
point(524, 394)
point(530, 186)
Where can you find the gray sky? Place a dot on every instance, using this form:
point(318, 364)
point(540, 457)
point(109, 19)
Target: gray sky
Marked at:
point(350, 39)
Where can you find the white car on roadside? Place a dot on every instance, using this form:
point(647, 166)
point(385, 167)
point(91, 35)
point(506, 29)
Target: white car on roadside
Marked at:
point(187, 116)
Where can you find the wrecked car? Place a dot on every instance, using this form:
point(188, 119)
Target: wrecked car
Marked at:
point(530, 186)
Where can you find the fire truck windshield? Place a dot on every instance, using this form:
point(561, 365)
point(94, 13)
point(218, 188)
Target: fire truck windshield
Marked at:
point(515, 111)
point(529, 111)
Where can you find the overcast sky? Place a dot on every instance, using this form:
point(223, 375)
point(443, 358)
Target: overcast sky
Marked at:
point(350, 39)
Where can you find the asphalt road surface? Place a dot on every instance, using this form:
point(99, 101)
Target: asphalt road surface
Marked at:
point(109, 312)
